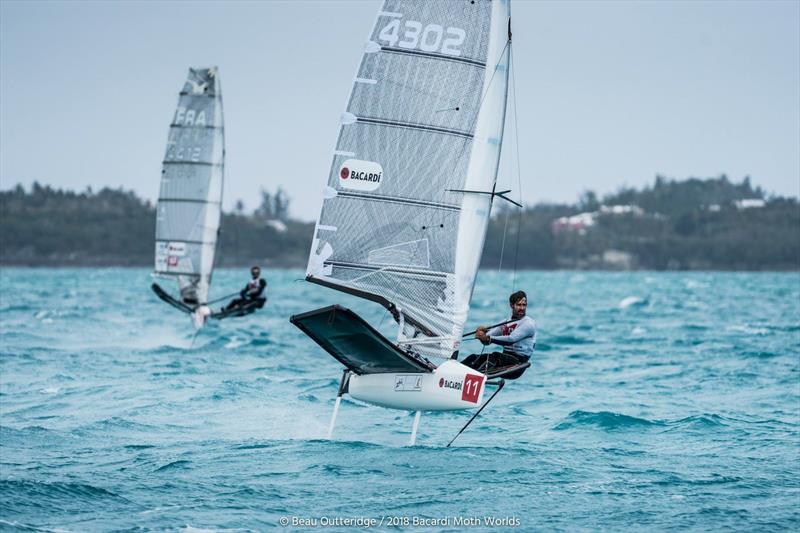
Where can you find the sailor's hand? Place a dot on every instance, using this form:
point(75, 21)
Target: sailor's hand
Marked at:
point(480, 334)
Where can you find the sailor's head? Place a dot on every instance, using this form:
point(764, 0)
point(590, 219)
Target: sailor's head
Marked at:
point(519, 304)
point(255, 271)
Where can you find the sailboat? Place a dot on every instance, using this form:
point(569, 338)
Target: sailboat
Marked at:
point(190, 199)
point(407, 204)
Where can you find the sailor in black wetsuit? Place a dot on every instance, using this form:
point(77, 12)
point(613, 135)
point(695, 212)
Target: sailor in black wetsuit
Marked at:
point(253, 291)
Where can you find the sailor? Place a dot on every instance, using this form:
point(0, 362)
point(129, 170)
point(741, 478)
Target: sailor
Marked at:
point(252, 291)
point(189, 296)
point(517, 337)
point(189, 292)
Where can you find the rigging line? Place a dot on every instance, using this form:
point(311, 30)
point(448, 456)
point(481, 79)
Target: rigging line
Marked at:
point(196, 333)
point(480, 105)
point(519, 172)
point(461, 151)
point(397, 284)
point(477, 112)
point(439, 217)
point(215, 300)
point(441, 194)
point(391, 139)
point(387, 312)
point(503, 245)
point(506, 48)
point(414, 258)
point(508, 213)
point(500, 384)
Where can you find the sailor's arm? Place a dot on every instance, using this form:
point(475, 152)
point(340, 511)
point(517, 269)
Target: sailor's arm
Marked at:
point(495, 331)
point(481, 335)
point(524, 330)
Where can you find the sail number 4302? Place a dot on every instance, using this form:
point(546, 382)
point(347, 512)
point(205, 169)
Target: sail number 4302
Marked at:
point(431, 38)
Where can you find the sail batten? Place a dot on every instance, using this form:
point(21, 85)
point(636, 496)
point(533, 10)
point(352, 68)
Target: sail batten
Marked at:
point(473, 62)
point(423, 122)
point(410, 125)
point(189, 207)
point(423, 274)
point(185, 200)
point(398, 200)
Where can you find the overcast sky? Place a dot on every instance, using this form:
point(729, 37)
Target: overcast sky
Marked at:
point(610, 93)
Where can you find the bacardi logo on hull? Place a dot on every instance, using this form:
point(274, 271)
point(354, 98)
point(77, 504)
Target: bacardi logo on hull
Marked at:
point(449, 384)
point(360, 175)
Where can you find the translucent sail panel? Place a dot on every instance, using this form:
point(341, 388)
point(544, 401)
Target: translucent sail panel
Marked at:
point(390, 221)
point(187, 221)
point(189, 205)
point(191, 182)
point(192, 146)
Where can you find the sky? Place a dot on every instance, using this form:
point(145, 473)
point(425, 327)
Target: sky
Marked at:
point(608, 94)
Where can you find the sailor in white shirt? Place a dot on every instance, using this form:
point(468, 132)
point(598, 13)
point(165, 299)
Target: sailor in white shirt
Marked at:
point(517, 337)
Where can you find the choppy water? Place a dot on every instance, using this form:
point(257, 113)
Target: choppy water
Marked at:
point(655, 401)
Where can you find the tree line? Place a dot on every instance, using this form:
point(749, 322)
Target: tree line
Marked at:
point(710, 223)
point(44, 226)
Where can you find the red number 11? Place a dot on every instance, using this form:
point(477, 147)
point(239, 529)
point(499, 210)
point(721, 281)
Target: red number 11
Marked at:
point(472, 388)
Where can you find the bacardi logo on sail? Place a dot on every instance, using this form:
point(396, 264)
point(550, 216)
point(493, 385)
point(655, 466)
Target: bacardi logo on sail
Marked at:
point(360, 175)
point(177, 249)
point(168, 254)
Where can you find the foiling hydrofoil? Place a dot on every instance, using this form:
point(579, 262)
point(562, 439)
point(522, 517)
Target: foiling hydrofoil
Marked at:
point(203, 310)
point(242, 309)
point(377, 371)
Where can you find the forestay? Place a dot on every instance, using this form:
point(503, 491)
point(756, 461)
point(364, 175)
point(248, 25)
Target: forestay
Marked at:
point(189, 202)
point(424, 123)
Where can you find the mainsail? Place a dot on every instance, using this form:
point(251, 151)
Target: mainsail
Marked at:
point(410, 186)
point(189, 203)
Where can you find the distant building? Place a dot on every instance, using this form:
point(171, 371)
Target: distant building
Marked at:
point(622, 210)
point(576, 223)
point(750, 203)
point(580, 222)
point(277, 225)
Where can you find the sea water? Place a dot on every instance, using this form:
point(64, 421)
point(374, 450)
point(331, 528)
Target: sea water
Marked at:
point(655, 401)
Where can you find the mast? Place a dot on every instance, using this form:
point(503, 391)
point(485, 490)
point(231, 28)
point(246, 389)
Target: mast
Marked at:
point(483, 167)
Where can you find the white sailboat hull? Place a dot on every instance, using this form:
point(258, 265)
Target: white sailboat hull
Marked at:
point(451, 387)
